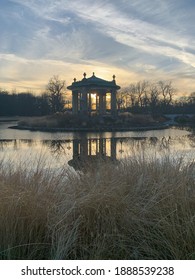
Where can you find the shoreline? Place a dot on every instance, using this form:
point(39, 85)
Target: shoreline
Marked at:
point(87, 129)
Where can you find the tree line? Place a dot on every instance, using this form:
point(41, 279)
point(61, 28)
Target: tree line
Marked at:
point(154, 97)
point(27, 104)
point(141, 97)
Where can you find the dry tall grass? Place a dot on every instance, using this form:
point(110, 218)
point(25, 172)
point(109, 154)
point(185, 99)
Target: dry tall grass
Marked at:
point(135, 210)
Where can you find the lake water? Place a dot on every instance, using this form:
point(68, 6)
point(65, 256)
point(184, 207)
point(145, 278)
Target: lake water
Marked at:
point(70, 150)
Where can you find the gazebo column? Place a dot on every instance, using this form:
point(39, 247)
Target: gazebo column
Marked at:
point(78, 98)
point(84, 148)
point(75, 148)
point(102, 147)
point(104, 104)
point(101, 150)
point(96, 145)
point(101, 104)
point(75, 102)
point(90, 146)
point(89, 105)
point(84, 103)
point(97, 104)
point(113, 102)
point(113, 148)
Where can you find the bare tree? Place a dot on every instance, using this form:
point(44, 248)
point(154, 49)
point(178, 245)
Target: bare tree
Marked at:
point(134, 95)
point(123, 98)
point(56, 93)
point(148, 95)
point(131, 95)
point(141, 91)
point(191, 98)
point(167, 91)
point(153, 96)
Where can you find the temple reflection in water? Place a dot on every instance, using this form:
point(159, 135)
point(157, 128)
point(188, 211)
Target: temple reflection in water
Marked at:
point(83, 152)
point(87, 152)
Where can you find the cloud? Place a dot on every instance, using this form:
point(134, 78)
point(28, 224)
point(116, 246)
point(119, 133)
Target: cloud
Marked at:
point(135, 33)
point(107, 18)
point(139, 38)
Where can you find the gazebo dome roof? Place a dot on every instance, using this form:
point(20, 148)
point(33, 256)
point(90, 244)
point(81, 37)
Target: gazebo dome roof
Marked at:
point(92, 82)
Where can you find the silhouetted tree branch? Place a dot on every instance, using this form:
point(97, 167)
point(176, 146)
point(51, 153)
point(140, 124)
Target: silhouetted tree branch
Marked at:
point(56, 93)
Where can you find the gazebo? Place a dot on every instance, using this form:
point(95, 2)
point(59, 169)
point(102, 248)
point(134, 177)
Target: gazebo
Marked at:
point(90, 93)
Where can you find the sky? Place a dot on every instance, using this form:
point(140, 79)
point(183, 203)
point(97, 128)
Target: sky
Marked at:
point(133, 39)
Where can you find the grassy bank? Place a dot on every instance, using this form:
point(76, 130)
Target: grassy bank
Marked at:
point(135, 210)
point(67, 121)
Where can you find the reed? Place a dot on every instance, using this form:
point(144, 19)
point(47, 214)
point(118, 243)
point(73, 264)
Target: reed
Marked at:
point(137, 209)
